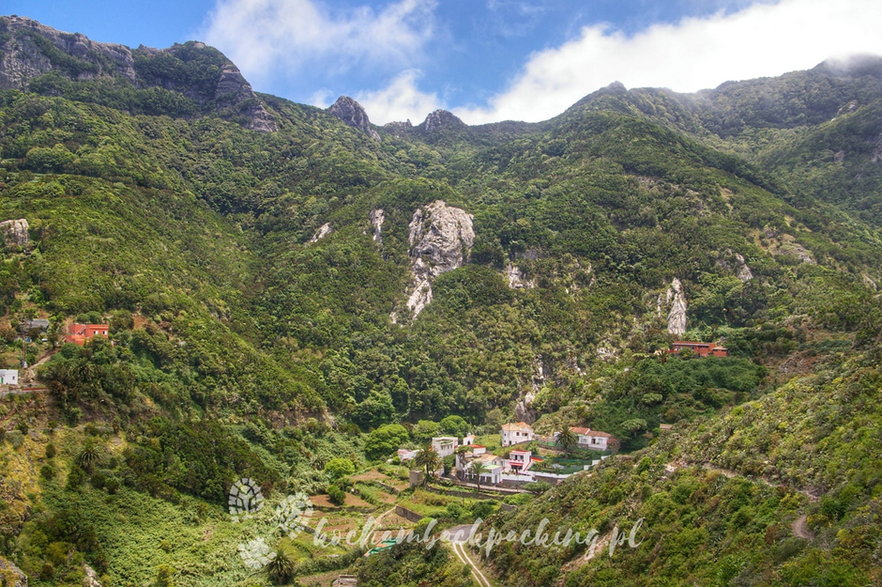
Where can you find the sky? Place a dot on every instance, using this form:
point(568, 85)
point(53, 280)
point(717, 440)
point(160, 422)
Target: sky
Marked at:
point(484, 60)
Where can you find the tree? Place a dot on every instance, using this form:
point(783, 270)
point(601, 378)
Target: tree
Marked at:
point(567, 440)
point(477, 469)
point(424, 430)
point(634, 425)
point(455, 426)
point(429, 460)
point(281, 568)
point(89, 456)
point(385, 439)
point(339, 467)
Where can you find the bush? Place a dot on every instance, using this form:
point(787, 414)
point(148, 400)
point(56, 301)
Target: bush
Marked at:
point(336, 495)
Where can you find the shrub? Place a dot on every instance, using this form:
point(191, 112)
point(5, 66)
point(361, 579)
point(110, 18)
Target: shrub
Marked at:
point(336, 495)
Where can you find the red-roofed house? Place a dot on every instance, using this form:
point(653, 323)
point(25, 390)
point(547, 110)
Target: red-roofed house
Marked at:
point(81, 333)
point(702, 349)
point(593, 439)
point(519, 460)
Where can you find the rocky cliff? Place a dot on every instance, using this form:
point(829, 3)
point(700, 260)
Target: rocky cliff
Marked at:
point(354, 115)
point(674, 302)
point(15, 232)
point(30, 50)
point(441, 239)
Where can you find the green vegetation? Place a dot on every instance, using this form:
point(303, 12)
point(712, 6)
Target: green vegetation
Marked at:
point(240, 349)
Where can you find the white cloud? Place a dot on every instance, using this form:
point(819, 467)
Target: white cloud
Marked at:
point(696, 53)
point(261, 36)
point(400, 100)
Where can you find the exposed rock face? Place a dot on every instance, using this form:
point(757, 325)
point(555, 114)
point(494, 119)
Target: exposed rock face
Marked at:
point(353, 114)
point(91, 578)
point(441, 120)
point(24, 59)
point(441, 239)
point(742, 272)
point(398, 129)
point(737, 265)
point(524, 411)
point(15, 232)
point(11, 575)
point(30, 49)
point(675, 302)
point(517, 279)
point(877, 150)
point(377, 217)
point(323, 231)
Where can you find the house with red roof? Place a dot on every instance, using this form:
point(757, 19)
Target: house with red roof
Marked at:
point(592, 439)
point(702, 349)
point(82, 333)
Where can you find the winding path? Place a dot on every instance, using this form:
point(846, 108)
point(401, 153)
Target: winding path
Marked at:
point(462, 554)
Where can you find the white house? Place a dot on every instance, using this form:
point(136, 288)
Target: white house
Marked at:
point(519, 461)
point(405, 454)
point(493, 465)
point(445, 445)
point(516, 433)
point(8, 376)
point(591, 439)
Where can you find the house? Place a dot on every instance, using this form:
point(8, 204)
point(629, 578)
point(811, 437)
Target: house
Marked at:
point(40, 324)
point(444, 445)
point(516, 433)
point(405, 454)
point(493, 465)
point(8, 376)
point(519, 461)
point(702, 349)
point(592, 439)
point(82, 333)
point(468, 439)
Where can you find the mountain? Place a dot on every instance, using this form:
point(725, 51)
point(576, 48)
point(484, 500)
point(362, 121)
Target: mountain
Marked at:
point(285, 284)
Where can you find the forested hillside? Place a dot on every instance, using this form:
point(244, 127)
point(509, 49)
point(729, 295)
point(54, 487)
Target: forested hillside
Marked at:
point(281, 286)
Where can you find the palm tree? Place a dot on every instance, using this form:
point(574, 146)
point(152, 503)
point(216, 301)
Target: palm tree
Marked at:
point(429, 460)
point(280, 569)
point(89, 456)
point(567, 440)
point(479, 468)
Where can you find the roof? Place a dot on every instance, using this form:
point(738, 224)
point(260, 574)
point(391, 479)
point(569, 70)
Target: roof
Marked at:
point(520, 452)
point(601, 434)
point(517, 426)
point(579, 430)
point(445, 439)
point(487, 457)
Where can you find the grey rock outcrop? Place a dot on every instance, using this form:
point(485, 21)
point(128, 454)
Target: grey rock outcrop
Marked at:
point(353, 114)
point(441, 238)
point(11, 574)
point(377, 217)
point(737, 264)
point(674, 301)
point(15, 232)
point(323, 231)
point(91, 578)
point(441, 120)
point(517, 279)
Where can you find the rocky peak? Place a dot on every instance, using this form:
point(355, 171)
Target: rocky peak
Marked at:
point(353, 114)
point(441, 120)
point(441, 238)
point(201, 73)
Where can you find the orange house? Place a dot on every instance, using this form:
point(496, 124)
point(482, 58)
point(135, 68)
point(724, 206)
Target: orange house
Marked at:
point(702, 349)
point(81, 333)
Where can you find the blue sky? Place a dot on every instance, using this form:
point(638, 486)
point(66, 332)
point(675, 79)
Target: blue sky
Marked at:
point(485, 60)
